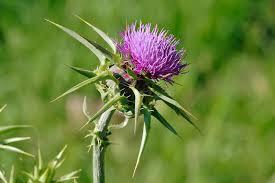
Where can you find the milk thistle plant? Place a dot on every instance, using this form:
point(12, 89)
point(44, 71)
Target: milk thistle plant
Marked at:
point(128, 79)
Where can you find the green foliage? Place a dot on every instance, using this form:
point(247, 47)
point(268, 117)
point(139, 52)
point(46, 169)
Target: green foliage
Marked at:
point(5, 179)
point(46, 173)
point(7, 143)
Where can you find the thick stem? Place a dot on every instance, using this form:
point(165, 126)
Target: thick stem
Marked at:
point(100, 144)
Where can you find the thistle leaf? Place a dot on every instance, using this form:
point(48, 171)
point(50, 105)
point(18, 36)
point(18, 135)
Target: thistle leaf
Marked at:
point(105, 107)
point(174, 105)
point(146, 129)
point(30, 176)
point(2, 108)
point(163, 121)
point(44, 176)
point(106, 38)
point(138, 102)
point(107, 54)
point(83, 83)
point(60, 155)
point(12, 175)
point(2, 177)
point(82, 40)
point(14, 149)
point(15, 139)
point(40, 160)
point(85, 108)
point(5, 129)
point(83, 72)
point(69, 176)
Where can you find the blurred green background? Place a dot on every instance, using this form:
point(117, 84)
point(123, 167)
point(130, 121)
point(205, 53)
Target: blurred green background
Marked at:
point(230, 88)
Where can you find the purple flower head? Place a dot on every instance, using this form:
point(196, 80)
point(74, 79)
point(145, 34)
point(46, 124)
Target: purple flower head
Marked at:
point(151, 52)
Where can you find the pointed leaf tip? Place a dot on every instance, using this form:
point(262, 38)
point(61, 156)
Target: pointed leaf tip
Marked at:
point(174, 105)
point(15, 149)
point(82, 40)
point(83, 72)
point(106, 38)
point(163, 121)
point(80, 85)
point(145, 133)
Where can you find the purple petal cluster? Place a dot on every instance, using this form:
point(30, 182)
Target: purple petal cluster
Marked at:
point(151, 52)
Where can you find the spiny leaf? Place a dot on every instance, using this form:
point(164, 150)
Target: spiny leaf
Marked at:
point(5, 129)
point(163, 121)
point(105, 107)
point(14, 149)
point(61, 153)
point(40, 160)
point(83, 72)
point(176, 107)
point(102, 34)
point(12, 175)
point(83, 83)
point(15, 139)
point(30, 176)
point(2, 108)
point(2, 177)
point(69, 176)
point(107, 54)
point(85, 109)
point(82, 40)
point(43, 178)
point(146, 129)
point(138, 102)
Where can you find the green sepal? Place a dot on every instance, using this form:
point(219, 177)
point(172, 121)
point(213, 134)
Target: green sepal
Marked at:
point(84, 72)
point(84, 83)
point(131, 73)
point(163, 121)
point(106, 38)
point(145, 133)
point(82, 40)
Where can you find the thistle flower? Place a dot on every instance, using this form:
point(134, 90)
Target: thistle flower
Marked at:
point(151, 52)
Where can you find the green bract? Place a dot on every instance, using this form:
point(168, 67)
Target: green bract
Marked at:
point(121, 89)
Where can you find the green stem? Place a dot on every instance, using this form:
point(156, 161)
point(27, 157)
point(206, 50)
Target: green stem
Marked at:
point(100, 144)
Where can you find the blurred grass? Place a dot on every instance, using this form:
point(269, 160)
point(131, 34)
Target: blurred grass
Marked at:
point(230, 87)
